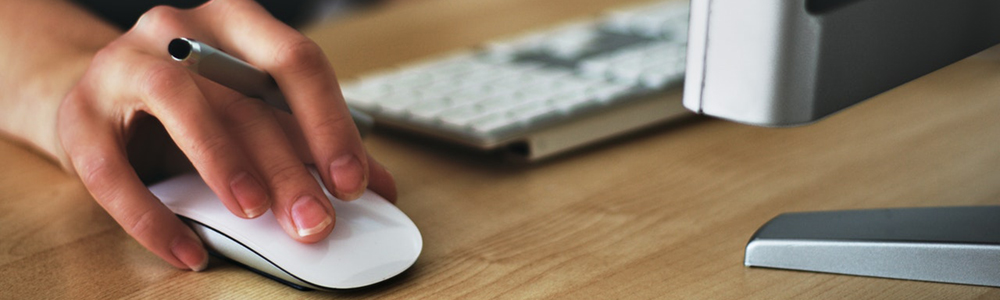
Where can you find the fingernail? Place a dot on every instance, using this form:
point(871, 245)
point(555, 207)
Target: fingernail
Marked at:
point(190, 252)
point(348, 176)
point(310, 216)
point(250, 194)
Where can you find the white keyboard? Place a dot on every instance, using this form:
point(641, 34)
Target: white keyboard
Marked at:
point(521, 93)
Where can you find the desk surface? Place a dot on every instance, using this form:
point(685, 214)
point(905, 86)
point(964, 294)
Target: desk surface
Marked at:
point(661, 213)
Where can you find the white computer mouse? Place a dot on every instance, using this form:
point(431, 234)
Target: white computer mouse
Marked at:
point(372, 240)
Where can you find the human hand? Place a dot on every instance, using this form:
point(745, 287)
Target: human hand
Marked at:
point(252, 156)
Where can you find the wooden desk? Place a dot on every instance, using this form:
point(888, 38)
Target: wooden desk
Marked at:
point(660, 214)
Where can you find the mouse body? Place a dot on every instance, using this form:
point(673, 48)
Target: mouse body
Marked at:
point(371, 241)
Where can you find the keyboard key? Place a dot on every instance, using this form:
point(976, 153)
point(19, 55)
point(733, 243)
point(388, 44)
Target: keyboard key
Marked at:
point(571, 102)
point(530, 112)
point(493, 123)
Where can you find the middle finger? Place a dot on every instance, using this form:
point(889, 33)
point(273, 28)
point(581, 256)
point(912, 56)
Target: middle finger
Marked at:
point(299, 204)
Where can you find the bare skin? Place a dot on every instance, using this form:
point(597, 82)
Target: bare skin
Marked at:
point(84, 93)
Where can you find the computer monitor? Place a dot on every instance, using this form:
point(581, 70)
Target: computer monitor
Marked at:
point(786, 62)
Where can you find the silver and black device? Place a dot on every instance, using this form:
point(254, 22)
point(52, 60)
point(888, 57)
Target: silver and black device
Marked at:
point(787, 63)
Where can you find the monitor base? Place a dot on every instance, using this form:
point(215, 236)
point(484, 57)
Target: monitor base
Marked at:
point(942, 244)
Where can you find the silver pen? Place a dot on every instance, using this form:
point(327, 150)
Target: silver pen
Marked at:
point(240, 76)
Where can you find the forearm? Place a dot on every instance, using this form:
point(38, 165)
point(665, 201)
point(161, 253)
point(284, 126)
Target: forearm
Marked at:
point(46, 46)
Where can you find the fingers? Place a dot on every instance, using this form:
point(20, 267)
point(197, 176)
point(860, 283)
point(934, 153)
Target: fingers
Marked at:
point(380, 180)
point(211, 133)
point(299, 203)
point(307, 80)
point(97, 154)
point(168, 91)
point(241, 149)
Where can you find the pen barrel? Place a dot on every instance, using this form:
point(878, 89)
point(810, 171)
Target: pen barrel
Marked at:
point(240, 76)
point(229, 71)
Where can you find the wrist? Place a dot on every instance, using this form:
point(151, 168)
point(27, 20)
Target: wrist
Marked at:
point(32, 105)
point(42, 65)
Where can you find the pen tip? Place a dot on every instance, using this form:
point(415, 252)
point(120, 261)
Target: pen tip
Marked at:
point(179, 49)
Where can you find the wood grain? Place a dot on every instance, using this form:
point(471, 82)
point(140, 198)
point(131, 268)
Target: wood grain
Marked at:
point(664, 213)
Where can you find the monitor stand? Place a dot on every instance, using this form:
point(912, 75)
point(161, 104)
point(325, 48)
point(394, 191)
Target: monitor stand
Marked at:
point(941, 244)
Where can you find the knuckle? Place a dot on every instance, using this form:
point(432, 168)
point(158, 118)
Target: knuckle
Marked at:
point(214, 3)
point(248, 114)
point(331, 124)
point(107, 63)
point(96, 174)
point(141, 226)
point(212, 147)
point(72, 104)
point(222, 9)
point(159, 16)
point(300, 54)
point(284, 175)
point(103, 57)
